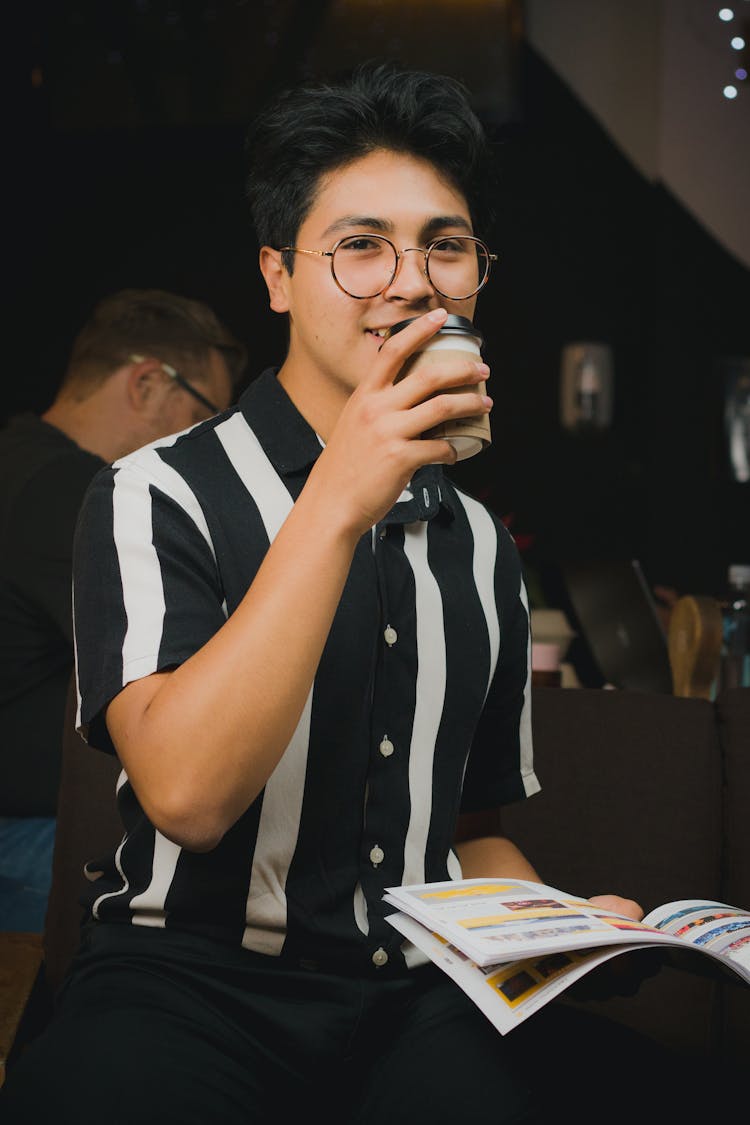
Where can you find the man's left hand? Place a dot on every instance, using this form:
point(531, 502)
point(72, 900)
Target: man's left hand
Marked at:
point(626, 906)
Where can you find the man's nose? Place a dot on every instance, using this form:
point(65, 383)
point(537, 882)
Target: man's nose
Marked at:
point(411, 282)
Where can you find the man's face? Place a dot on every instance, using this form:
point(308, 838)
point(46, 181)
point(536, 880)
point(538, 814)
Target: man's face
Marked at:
point(334, 338)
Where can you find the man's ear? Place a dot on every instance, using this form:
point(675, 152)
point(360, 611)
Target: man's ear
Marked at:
point(275, 277)
point(144, 380)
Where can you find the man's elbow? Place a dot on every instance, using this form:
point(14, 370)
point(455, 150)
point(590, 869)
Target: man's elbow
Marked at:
point(188, 822)
point(190, 835)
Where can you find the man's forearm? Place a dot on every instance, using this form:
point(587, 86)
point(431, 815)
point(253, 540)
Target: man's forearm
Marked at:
point(492, 856)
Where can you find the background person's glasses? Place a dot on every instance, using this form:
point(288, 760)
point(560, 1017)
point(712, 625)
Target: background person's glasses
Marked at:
point(364, 265)
point(181, 381)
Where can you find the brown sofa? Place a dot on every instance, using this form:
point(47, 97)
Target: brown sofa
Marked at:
point(648, 796)
point(644, 795)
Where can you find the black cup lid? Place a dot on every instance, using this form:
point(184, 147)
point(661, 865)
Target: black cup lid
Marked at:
point(460, 325)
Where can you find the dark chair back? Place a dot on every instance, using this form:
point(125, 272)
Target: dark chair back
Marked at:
point(88, 826)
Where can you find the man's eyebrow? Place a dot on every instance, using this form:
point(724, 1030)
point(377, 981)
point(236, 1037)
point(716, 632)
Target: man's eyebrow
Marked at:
point(442, 222)
point(348, 222)
point(431, 226)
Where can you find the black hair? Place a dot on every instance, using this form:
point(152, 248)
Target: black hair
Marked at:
point(315, 128)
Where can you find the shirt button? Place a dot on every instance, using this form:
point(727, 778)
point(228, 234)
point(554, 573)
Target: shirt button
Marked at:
point(382, 533)
point(379, 957)
point(386, 747)
point(390, 635)
point(377, 855)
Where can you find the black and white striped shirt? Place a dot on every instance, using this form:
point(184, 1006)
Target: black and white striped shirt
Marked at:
point(419, 708)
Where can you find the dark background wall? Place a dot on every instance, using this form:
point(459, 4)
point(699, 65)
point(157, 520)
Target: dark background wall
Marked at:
point(126, 157)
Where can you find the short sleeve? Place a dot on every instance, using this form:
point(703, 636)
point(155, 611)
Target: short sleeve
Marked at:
point(500, 767)
point(146, 589)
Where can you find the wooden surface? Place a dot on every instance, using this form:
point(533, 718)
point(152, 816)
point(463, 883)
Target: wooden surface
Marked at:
point(20, 958)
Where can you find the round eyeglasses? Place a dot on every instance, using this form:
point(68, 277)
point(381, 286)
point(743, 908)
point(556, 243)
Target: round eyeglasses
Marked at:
point(364, 265)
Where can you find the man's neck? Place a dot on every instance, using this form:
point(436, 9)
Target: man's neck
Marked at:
point(83, 424)
point(318, 400)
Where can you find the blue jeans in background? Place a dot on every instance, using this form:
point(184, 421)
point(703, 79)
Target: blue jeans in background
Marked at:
point(26, 847)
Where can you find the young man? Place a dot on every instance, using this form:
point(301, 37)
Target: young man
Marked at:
point(145, 364)
point(309, 651)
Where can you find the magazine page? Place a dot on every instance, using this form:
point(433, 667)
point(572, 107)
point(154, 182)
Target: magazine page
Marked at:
point(507, 993)
point(493, 920)
point(713, 927)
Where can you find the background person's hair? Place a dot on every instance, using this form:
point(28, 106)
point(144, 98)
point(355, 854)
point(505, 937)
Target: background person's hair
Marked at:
point(174, 329)
point(315, 128)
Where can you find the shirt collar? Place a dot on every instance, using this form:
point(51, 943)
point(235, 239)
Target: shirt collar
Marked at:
point(289, 442)
point(292, 445)
point(425, 495)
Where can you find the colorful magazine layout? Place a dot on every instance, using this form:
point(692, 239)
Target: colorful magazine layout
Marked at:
point(513, 945)
point(510, 992)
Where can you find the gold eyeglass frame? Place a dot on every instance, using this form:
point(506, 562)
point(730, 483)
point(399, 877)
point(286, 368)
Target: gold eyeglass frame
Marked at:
point(399, 255)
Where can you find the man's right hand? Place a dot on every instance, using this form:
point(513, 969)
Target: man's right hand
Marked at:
point(376, 445)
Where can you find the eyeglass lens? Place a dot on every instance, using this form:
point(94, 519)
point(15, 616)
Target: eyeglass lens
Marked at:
point(364, 265)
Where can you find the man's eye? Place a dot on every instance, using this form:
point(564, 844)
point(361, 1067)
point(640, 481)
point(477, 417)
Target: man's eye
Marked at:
point(363, 245)
point(451, 246)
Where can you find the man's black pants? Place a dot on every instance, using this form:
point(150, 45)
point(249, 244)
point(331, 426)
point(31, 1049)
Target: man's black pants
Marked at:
point(157, 1027)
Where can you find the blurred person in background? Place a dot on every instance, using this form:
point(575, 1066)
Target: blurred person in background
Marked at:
point(146, 364)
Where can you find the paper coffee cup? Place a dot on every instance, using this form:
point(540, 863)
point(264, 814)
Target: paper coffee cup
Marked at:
point(457, 336)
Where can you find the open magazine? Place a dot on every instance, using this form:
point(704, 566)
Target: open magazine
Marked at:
point(513, 945)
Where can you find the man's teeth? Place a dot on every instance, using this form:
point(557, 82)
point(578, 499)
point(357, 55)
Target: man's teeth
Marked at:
point(377, 331)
